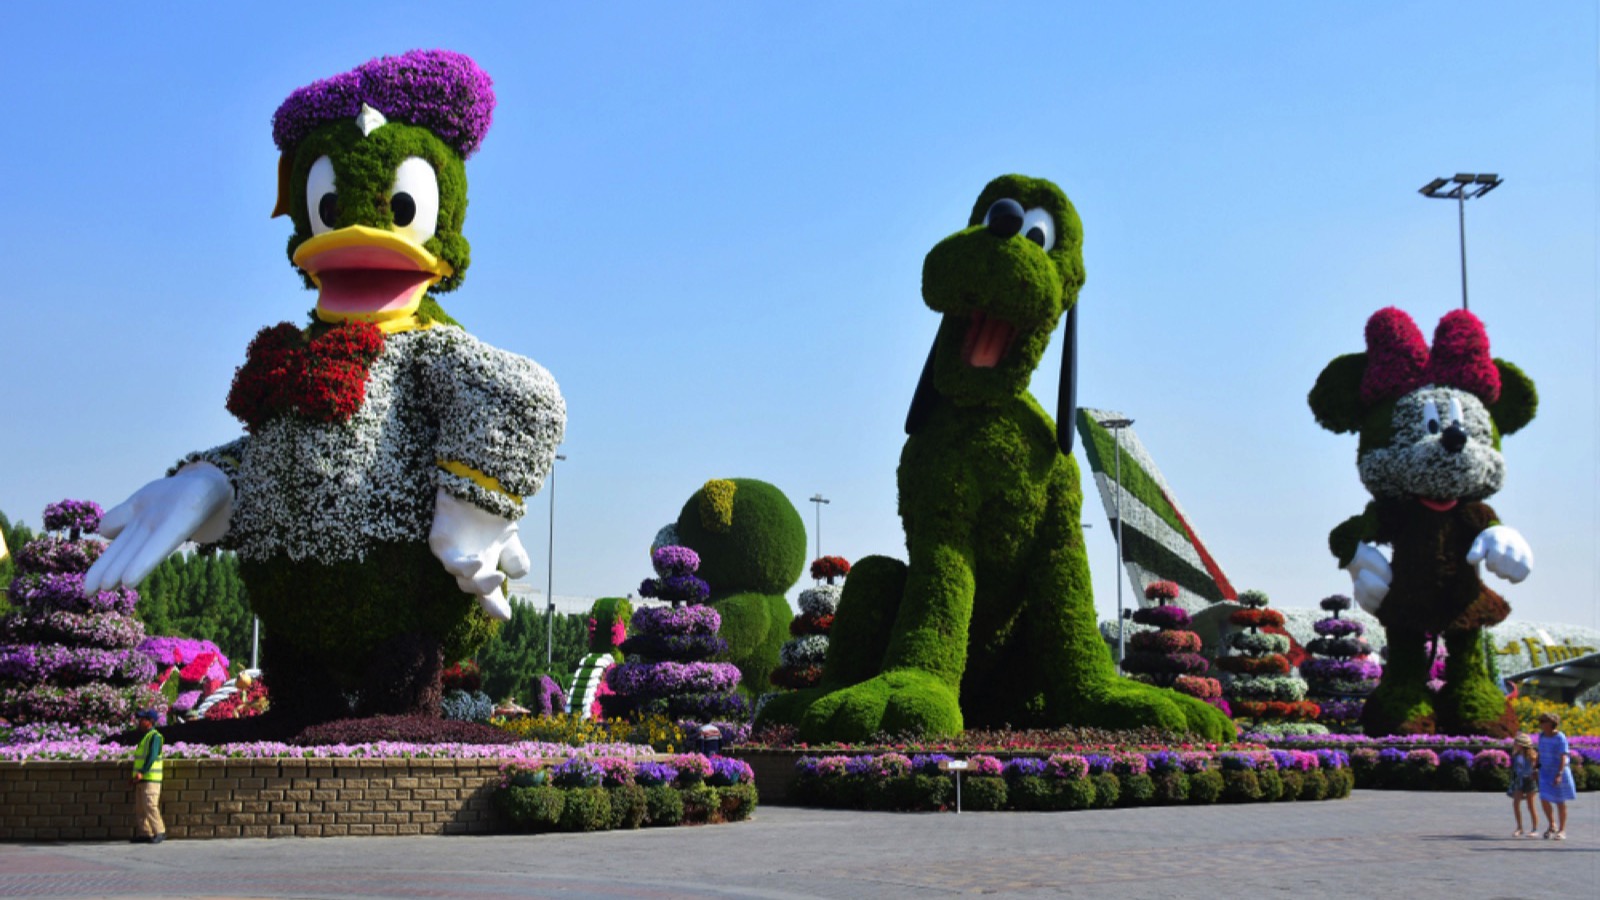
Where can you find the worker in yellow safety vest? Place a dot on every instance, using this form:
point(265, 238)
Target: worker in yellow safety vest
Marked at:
point(147, 825)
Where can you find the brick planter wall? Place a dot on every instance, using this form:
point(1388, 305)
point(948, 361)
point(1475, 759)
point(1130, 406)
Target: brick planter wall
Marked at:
point(223, 798)
point(774, 770)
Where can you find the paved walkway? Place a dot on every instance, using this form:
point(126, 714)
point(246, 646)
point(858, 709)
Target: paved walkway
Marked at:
point(1374, 844)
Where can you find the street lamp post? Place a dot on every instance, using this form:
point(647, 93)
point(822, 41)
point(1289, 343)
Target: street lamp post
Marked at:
point(550, 577)
point(818, 499)
point(1116, 425)
point(1463, 187)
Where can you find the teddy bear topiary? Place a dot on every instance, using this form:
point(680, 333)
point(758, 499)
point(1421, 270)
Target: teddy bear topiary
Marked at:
point(752, 547)
point(1430, 422)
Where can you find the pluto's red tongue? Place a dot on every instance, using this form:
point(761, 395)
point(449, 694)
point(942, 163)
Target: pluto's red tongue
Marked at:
point(987, 340)
point(1438, 505)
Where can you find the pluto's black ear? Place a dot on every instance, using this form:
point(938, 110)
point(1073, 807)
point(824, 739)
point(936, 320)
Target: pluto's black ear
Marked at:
point(922, 401)
point(1067, 393)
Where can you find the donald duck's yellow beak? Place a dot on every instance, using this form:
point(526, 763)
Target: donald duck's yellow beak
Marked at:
point(368, 274)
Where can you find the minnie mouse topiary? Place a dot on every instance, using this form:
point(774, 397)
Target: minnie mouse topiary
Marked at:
point(1430, 423)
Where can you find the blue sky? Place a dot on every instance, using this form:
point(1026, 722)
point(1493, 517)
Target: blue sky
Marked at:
point(708, 221)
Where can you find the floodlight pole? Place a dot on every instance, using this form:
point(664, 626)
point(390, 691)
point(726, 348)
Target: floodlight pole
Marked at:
point(1463, 187)
point(1116, 425)
point(818, 499)
point(550, 577)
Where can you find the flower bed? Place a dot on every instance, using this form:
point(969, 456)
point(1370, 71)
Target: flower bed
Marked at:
point(602, 793)
point(1089, 779)
point(1439, 762)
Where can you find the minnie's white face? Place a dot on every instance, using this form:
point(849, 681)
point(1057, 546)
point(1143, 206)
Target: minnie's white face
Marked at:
point(1443, 450)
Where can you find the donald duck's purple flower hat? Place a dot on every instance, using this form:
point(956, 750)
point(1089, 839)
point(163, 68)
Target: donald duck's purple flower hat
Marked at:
point(440, 90)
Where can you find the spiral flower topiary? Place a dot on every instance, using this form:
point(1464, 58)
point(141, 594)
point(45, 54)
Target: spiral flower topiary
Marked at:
point(1340, 672)
point(66, 656)
point(1262, 690)
point(1169, 656)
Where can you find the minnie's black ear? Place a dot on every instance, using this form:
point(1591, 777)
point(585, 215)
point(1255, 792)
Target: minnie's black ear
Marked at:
point(1067, 393)
point(922, 401)
point(1518, 402)
point(1335, 399)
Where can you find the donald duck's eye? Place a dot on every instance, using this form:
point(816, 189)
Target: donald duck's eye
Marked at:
point(1430, 417)
point(414, 199)
point(1038, 226)
point(322, 200)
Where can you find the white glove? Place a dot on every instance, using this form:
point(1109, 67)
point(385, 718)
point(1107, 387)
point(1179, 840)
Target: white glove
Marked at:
point(1503, 551)
point(1370, 576)
point(474, 545)
point(196, 503)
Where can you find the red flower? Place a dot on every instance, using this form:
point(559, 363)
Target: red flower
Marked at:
point(324, 380)
point(1161, 591)
point(829, 568)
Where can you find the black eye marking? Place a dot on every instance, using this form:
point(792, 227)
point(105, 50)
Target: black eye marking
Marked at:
point(328, 209)
point(404, 209)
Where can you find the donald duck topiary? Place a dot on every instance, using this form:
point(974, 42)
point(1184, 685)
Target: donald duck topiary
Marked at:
point(388, 453)
point(1430, 420)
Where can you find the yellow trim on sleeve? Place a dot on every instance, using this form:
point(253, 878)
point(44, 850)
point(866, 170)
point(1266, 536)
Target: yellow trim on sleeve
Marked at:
point(487, 482)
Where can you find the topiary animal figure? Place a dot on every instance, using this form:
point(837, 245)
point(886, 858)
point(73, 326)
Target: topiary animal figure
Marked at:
point(752, 546)
point(1430, 423)
point(388, 454)
point(991, 620)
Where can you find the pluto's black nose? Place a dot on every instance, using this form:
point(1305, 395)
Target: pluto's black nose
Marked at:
point(1454, 438)
point(1004, 218)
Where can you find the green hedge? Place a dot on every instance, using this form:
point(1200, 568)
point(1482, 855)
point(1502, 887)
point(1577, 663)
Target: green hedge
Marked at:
point(547, 808)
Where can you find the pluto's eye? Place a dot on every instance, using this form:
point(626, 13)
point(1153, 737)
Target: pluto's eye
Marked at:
point(1430, 417)
point(1038, 226)
point(322, 200)
point(414, 199)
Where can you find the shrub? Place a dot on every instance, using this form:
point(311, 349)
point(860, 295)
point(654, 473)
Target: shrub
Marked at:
point(983, 793)
point(629, 805)
point(738, 801)
point(1240, 786)
point(1292, 783)
point(1077, 793)
point(1030, 792)
point(1340, 783)
point(1271, 783)
point(1491, 778)
point(1314, 785)
point(1205, 787)
point(1137, 790)
point(586, 809)
point(700, 804)
point(532, 808)
point(663, 805)
point(1453, 778)
point(1107, 790)
point(1171, 787)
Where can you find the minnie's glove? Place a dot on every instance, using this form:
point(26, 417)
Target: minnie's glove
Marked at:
point(195, 503)
point(475, 546)
point(1370, 576)
point(1503, 551)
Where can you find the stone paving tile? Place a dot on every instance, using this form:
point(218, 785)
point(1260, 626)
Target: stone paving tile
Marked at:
point(1453, 846)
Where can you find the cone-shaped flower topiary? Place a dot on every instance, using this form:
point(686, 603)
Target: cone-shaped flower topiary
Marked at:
point(1264, 696)
point(1170, 656)
point(667, 671)
point(800, 660)
point(1341, 671)
point(64, 656)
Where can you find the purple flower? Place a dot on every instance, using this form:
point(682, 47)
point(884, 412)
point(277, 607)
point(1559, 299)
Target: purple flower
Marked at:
point(1163, 761)
point(1099, 763)
point(675, 560)
point(928, 763)
point(726, 771)
point(577, 772)
point(1163, 617)
point(1236, 762)
point(1455, 757)
point(650, 774)
point(664, 679)
point(1024, 766)
point(1330, 669)
point(1338, 627)
point(1333, 759)
point(667, 620)
point(439, 90)
point(75, 516)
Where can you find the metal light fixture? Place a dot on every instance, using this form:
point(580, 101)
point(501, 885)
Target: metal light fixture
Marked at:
point(550, 577)
point(1463, 187)
point(1116, 425)
point(818, 499)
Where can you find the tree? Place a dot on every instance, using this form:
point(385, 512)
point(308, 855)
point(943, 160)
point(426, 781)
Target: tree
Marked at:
point(200, 596)
point(17, 536)
point(513, 660)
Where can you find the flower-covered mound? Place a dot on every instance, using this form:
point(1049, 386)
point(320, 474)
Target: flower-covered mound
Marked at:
point(597, 793)
point(1438, 762)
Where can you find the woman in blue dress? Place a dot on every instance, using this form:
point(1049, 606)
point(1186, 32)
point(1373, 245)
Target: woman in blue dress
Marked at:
point(1555, 776)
